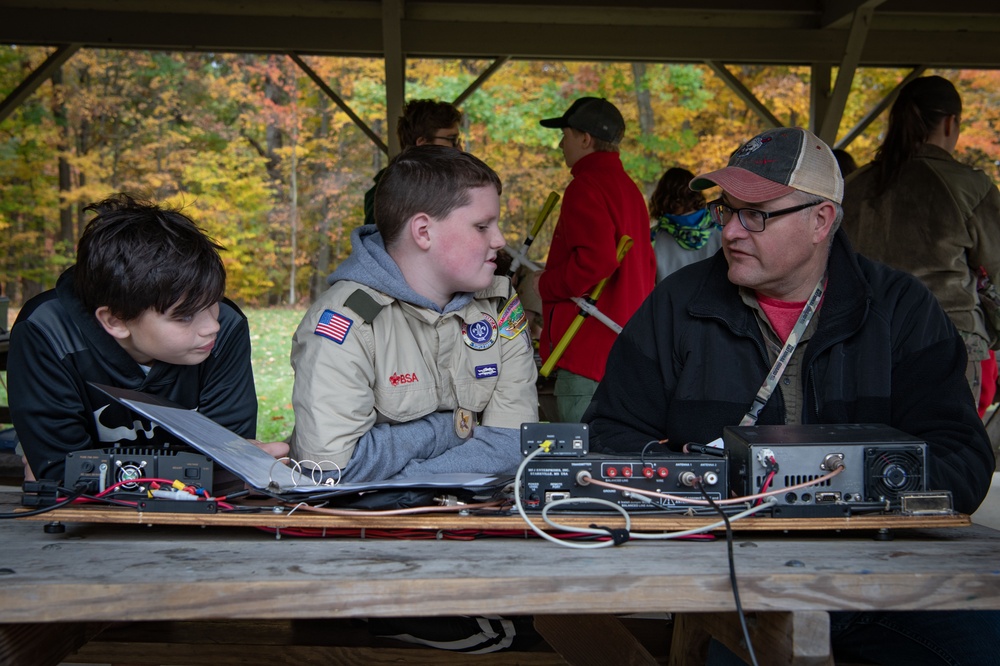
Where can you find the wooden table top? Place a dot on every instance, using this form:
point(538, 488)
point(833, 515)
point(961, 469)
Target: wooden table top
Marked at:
point(117, 572)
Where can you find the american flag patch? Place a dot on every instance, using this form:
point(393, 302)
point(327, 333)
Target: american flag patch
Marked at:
point(333, 325)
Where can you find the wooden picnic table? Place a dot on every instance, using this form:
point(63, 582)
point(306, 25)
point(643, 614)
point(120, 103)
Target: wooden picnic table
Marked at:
point(60, 589)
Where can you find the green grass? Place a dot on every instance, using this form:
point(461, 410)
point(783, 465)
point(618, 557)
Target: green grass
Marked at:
point(271, 332)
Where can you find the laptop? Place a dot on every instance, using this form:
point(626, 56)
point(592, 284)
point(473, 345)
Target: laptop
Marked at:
point(258, 469)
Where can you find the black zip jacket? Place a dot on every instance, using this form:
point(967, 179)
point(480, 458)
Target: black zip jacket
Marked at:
point(57, 347)
point(691, 359)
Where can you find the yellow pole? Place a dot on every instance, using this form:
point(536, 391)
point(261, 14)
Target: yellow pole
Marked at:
point(543, 215)
point(624, 245)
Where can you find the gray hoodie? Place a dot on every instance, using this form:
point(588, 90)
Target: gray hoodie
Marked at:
point(429, 444)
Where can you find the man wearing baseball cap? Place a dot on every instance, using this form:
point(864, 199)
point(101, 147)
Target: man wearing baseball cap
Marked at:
point(600, 205)
point(870, 345)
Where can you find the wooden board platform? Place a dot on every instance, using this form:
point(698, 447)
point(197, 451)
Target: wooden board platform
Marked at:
point(477, 522)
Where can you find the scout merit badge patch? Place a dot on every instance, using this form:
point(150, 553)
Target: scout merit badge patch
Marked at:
point(463, 423)
point(334, 326)
point(512, 318)
point(481, 334)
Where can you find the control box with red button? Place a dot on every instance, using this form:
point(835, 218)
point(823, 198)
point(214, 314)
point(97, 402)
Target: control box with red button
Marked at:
point(547, 479)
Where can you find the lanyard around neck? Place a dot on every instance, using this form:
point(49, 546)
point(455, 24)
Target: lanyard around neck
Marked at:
point(767, 388)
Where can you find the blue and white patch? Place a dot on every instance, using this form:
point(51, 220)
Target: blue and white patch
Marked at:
point(481, 334)
point(486, 371)
point(752, 145)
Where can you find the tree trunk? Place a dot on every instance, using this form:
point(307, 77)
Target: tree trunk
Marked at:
point(66, 227)
point(294, 215)
point(647, 121)
point(322, 258)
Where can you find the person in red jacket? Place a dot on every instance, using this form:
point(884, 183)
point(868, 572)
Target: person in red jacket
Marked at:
point(600, 205)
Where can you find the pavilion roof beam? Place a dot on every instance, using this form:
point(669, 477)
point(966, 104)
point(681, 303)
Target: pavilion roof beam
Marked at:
point(344, 106)
point(37, 77)
point(857, 36)
point(840, 13)
point(744, 93)
point(481, 79)
point(820, 76)
point(878, 109)
point(955, 45)
point(395, 68)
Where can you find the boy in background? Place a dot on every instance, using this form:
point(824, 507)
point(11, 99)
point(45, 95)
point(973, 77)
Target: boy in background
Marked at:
point(416, 360)
point(424, 122)
point(600, 205)
point(142, 309)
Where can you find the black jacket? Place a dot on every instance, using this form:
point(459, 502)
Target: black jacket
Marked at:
point(57, 347)
point(690, 361)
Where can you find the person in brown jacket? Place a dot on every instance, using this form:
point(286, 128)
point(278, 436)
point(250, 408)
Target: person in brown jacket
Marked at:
point(917, 209)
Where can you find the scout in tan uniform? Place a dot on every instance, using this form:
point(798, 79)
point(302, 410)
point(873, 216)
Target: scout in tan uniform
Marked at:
point(417, 359)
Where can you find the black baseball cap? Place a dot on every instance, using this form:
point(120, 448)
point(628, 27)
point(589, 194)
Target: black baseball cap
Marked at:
point(594, 115)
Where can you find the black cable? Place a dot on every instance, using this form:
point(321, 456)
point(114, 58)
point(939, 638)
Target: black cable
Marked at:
point(36, 512)
point(642, 456)
point(691, 447)
point(732, 572)
point(108, 500)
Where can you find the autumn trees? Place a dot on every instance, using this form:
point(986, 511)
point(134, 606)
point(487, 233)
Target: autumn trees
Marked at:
point(269, 165)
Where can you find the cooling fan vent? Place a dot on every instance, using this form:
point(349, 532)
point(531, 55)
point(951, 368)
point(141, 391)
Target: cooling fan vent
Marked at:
point(132, 465)
point(891, 472)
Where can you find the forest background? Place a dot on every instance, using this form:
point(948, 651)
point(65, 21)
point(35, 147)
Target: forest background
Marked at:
point(276, 172)
point(273, 169)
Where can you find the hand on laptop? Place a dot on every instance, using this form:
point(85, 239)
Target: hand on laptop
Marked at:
point(273, 449)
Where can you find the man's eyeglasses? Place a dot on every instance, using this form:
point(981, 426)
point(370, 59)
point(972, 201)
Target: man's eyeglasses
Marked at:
point(751, 218)
point(453, 140)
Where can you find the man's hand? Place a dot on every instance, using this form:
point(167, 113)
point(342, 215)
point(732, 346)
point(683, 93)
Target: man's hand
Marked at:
point(273, 449)
point(28, 474)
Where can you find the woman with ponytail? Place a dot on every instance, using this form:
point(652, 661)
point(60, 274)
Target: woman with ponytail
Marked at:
point(917, 209)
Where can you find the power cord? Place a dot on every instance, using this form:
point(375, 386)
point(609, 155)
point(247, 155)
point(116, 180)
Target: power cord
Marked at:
point(519, 505)
point(732, 572)
point(77, 492)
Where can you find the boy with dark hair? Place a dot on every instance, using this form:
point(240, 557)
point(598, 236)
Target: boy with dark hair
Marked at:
point(429, 121)
point(424, 122)
point(142, 309)
point(416, 360)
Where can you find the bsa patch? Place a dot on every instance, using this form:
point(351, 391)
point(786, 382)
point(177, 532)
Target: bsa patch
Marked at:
point(512, 318)
point(481, 334)
point(398, 378)
point(334, 326)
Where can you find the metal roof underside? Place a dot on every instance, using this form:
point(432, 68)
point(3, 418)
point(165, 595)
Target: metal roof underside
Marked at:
point(841, 34)
point(897, 33)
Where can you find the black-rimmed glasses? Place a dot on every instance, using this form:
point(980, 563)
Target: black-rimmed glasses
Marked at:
point(751, 218)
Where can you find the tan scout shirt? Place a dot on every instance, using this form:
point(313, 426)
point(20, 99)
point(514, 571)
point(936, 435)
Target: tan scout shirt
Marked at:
point(408, 363)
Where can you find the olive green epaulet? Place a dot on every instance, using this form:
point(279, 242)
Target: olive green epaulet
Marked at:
point(364, 305)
